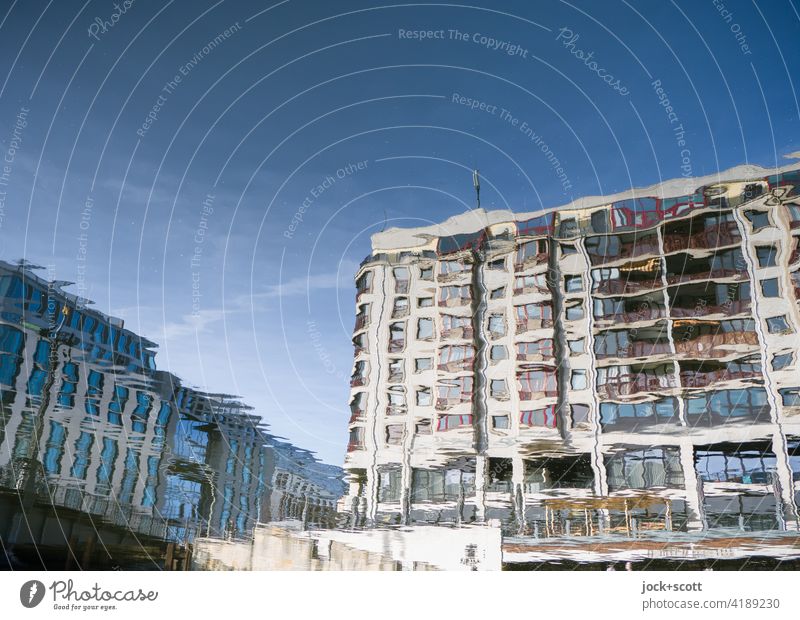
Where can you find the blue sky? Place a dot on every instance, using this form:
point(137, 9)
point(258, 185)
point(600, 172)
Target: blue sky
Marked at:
point(216, 166)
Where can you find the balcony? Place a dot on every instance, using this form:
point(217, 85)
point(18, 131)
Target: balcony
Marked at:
point(457, 333)
point(457, 365)
point(715, 345)
point(609, 248)
point(535, 395)
point(717, 274)
point(357, 416)
point(444, 404)
point(396, 346)
point(638, 349)
point(361, 323)
point(731, 308)
point(724, 234)
point(697, 379)
point(531, 324)
point(358, 381)
point(640, 384)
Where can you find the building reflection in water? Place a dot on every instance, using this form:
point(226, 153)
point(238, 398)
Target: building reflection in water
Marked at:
point(622, 369)
point(106, 461)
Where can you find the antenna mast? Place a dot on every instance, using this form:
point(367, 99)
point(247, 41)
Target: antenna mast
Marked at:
point(476, 183)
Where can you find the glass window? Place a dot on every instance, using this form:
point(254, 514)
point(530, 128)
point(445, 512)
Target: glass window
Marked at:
point(424, 396)
point(426, 273)
point(498, 293)
point(497, 264)
point(578, 380)
point(499, 388)
point(778, 325)
point(766, 255)
point(573, 284)
point(576, 347)
point(575, 313)
point(425, 302)
point(781, 360)
point(580, 413)
point(567, 249)
point(758, 219)
point(394, 434)
point(423, 427)
point(500, 421)
point(770, 287)
point(424, 329)
point(498, 352)
point(423, 363)
point(497, 325)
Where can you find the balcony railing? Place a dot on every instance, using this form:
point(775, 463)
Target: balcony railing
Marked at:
point(649, 313)
point(711, 345)
point(692, 379)
point(395, 346)
point(526, 395)
point(531, 261)
point(728, 309)
point(361, 322)
point(454, 302)
point(457, 333)
point(358, 381)
point(356, 416)
point(719, 236)
point(717, 274)
point(619, 286)
point(457, 365)
point(627, 251)
point(530, 324)
point(443, 404)
point(639, 349)
point(642, 383)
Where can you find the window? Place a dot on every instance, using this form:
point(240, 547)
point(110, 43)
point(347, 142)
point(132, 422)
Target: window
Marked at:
point(397, 400)
point(401, 276)
point(578, 380)
point(531, 283)
point(397, 337)
point(424, 302)
point(498, 352)
point(424, 397)
point(567, 249)
point(539, 417)
point(364, 282)
point(500, 422)
point(576, 347)
point(778, 325)
point(757, 219)
point(781, 360)
point(573, 284)
point(423, 427)
point(400, 307)
point(460, 356)
point(424, 329)
point(575, 313)
point(394, 434)
point(497, 264)
point(455, 294)
point(447, 267)
point(568, 227)
point(396, 370)
point(534, 382)
point(770, 287)
point(499, 388)
point(790, 397)
point(580, 413)
point(423, 363)
point(497, 325)
point(498, 293)
point(766, 255)
point(426, 273)
point(530, 350)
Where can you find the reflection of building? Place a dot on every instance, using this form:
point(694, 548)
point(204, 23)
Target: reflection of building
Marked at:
point(617, 365)
point(92, 434)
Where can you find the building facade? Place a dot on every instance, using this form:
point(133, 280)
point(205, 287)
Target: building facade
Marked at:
point(627, 362)
point(93, 436)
